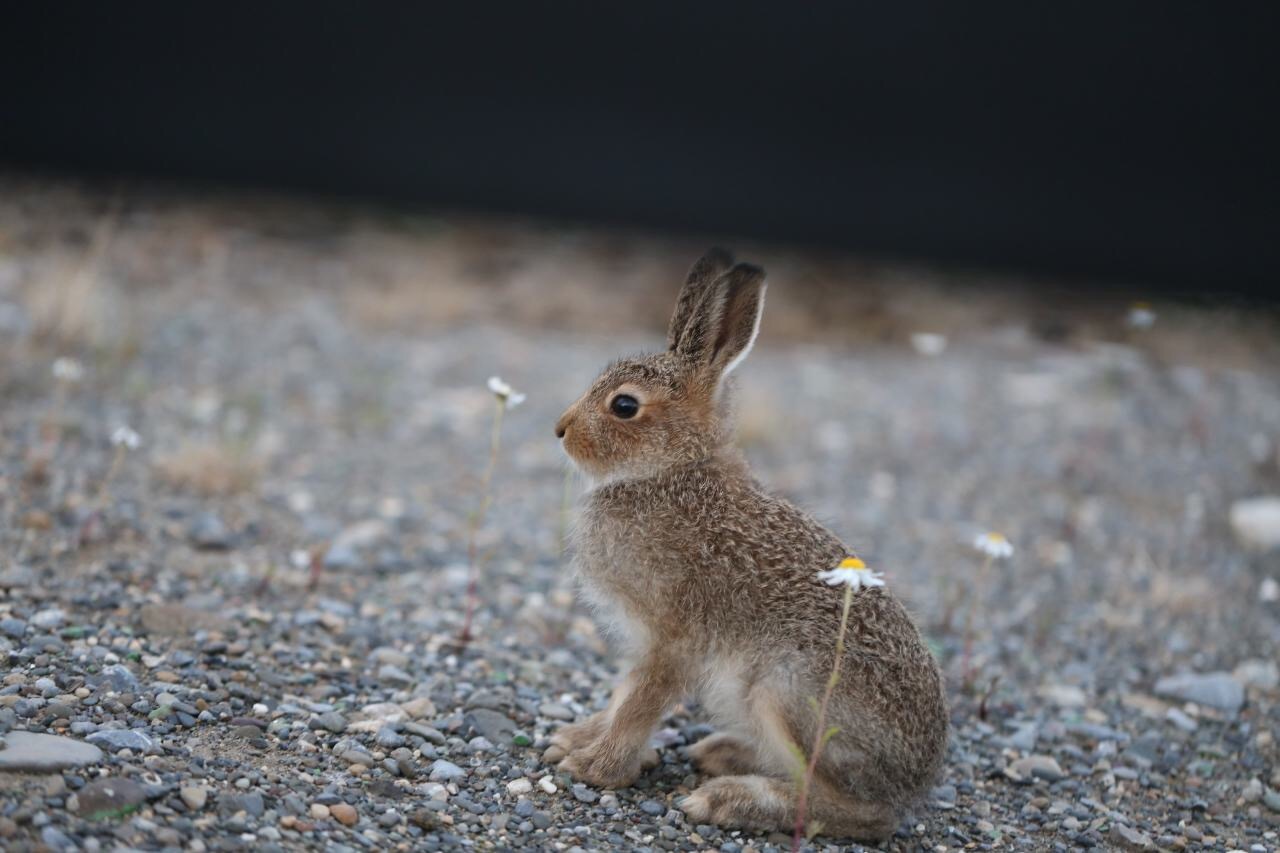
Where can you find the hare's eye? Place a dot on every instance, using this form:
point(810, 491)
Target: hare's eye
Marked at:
point(624, 406)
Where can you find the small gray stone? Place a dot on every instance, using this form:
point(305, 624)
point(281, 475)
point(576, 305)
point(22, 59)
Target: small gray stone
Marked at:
point(1127, 838)
point(50, 618)
point(492, 725)
point(394, 675)
point(1035, 767)
point(1271, 798)
point(330, 721)
point(653, 807)
point(194, 797)
point(1025, 737)
point(389, 738)
point(555, 711)
point(1215, 689)
point(38, 753)
point(117, 739)
point(1181, 720)
point(583, 794)
point(208, 532)
point(115, 677)
point(445, 771)
point(109, 797)
point(15, 628)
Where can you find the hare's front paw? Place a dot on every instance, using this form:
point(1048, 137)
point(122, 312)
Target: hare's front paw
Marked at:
point(574, 737)
point(605, 764)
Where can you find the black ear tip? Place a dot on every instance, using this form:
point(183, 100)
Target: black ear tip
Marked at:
point(719, 256)
point(745, 273)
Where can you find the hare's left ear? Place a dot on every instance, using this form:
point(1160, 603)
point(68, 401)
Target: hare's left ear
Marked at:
point(725, 323)
point(701, 276)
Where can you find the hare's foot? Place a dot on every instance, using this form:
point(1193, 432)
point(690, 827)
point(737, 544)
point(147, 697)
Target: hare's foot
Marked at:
point(768, 804)
point(606, 763)
point(575, 736)
point(722, 754)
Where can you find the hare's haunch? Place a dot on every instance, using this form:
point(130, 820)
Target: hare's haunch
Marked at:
point(711, 584)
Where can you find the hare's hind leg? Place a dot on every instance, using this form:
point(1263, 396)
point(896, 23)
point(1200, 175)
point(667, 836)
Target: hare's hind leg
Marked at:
point(723, 754)
point(768, 804)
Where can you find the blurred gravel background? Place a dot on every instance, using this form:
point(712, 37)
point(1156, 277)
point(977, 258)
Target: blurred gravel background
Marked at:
point(250, 622)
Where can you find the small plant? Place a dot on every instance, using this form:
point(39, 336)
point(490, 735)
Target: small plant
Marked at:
point(853, 575)
point(992, 546)
point(124, 439)
point(67, 373)
point(505, 398)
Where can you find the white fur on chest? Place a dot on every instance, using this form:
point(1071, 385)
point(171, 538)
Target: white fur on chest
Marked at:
point(624, 629)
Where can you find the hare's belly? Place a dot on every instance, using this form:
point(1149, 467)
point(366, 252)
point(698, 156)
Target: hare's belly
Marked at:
point(747, 707)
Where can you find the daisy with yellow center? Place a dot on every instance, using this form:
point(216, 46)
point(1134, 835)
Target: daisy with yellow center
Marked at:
point(994, 545)
point(852, 573)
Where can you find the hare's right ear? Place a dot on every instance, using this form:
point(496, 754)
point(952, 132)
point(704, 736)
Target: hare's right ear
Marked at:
point(701, 276)
point(725, 322)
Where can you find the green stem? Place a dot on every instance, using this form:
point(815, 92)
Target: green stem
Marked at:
point(820, 733)
point(473, 525)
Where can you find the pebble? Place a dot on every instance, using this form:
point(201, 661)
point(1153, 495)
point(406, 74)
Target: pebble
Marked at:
point(555, 711)
point(194, 796)
point(1127, 838)
point(1215, 689)
point(345, 814)
point(31, 752)
point(49, 618)
point(547, 786)
point(1181, 720)
point(1036, 766)
point(118, 739)
point(492, 725)
point(519, 787)
point(1256, 522)
point(103, 797)
point(653, 808)
point(445, 771)
point(209, 532)
point(330, 721)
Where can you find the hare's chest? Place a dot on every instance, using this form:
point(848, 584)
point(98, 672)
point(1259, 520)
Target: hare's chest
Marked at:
point(619, 591)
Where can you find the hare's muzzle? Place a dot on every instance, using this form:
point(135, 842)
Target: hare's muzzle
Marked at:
point(562, 425)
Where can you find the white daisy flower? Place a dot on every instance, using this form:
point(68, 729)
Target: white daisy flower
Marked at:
point(994, 545)
point(67, 370)
point(504, 392)
point(929, 343)
point(126, 437)
point(852, 573)
point(1140, 316)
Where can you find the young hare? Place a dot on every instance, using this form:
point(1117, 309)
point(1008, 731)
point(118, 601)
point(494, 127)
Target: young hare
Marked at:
point(711, 584)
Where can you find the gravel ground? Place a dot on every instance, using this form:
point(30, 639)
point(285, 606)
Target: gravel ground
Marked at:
point(239, 634)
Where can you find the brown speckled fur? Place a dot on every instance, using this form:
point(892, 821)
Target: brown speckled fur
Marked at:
point(710, 583)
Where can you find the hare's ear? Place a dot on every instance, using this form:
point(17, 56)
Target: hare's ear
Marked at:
point(701, 276)
point(725, 323)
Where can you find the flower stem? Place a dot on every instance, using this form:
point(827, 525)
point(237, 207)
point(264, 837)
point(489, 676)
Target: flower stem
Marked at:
point(104, 494)
point(966, 667)
point(477, 517)
point(820, 732)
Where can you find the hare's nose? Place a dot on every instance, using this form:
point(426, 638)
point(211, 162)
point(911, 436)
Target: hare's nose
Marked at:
point(563, 424)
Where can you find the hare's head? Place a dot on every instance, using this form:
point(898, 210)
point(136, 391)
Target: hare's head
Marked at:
point(646, 414)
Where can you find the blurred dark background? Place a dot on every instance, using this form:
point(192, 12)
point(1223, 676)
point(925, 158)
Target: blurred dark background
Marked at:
point(1113, 143)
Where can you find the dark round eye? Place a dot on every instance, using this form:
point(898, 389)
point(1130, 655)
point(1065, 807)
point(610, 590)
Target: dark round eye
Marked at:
point(624, 406)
